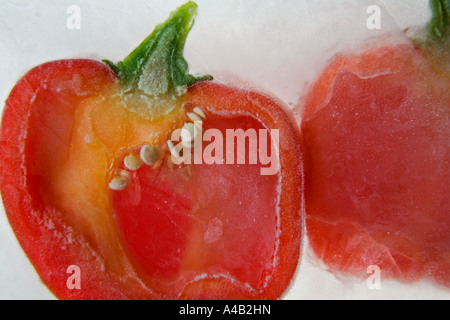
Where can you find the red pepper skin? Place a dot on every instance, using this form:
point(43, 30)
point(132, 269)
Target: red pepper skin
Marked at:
point(376, 165)
point(273, 116)
point(376, 133)
point(49, 241)
point(46, 245)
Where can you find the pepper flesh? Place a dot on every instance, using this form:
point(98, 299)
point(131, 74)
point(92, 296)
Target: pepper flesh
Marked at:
point(377, 165)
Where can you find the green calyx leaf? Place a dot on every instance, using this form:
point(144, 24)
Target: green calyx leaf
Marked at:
point(157, 66)
point(433, 38)
point(439, 25)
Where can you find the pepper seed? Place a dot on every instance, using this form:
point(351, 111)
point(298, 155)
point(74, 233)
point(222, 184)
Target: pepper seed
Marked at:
point(118, 183)
point(132, 162)
point(199, 112)
point(150, 154)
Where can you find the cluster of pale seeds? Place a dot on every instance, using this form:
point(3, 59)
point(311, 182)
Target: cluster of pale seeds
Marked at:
point(150, 155)
point(190, 130)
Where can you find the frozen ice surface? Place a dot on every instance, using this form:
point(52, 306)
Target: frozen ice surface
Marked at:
point(276, 46)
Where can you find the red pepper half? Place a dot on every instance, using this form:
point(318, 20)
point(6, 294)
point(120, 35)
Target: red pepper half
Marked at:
point(90, 178)
point(377, 160)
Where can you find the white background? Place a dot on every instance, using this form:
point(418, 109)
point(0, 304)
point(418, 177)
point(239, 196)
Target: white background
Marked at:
point(277, 46)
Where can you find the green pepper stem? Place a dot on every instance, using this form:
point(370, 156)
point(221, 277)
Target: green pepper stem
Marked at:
point(439, 25)
point(157, 66)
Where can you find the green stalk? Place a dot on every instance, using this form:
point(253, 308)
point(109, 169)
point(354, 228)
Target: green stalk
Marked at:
point(439, 25)
point(433, 39)
point(157, 68)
